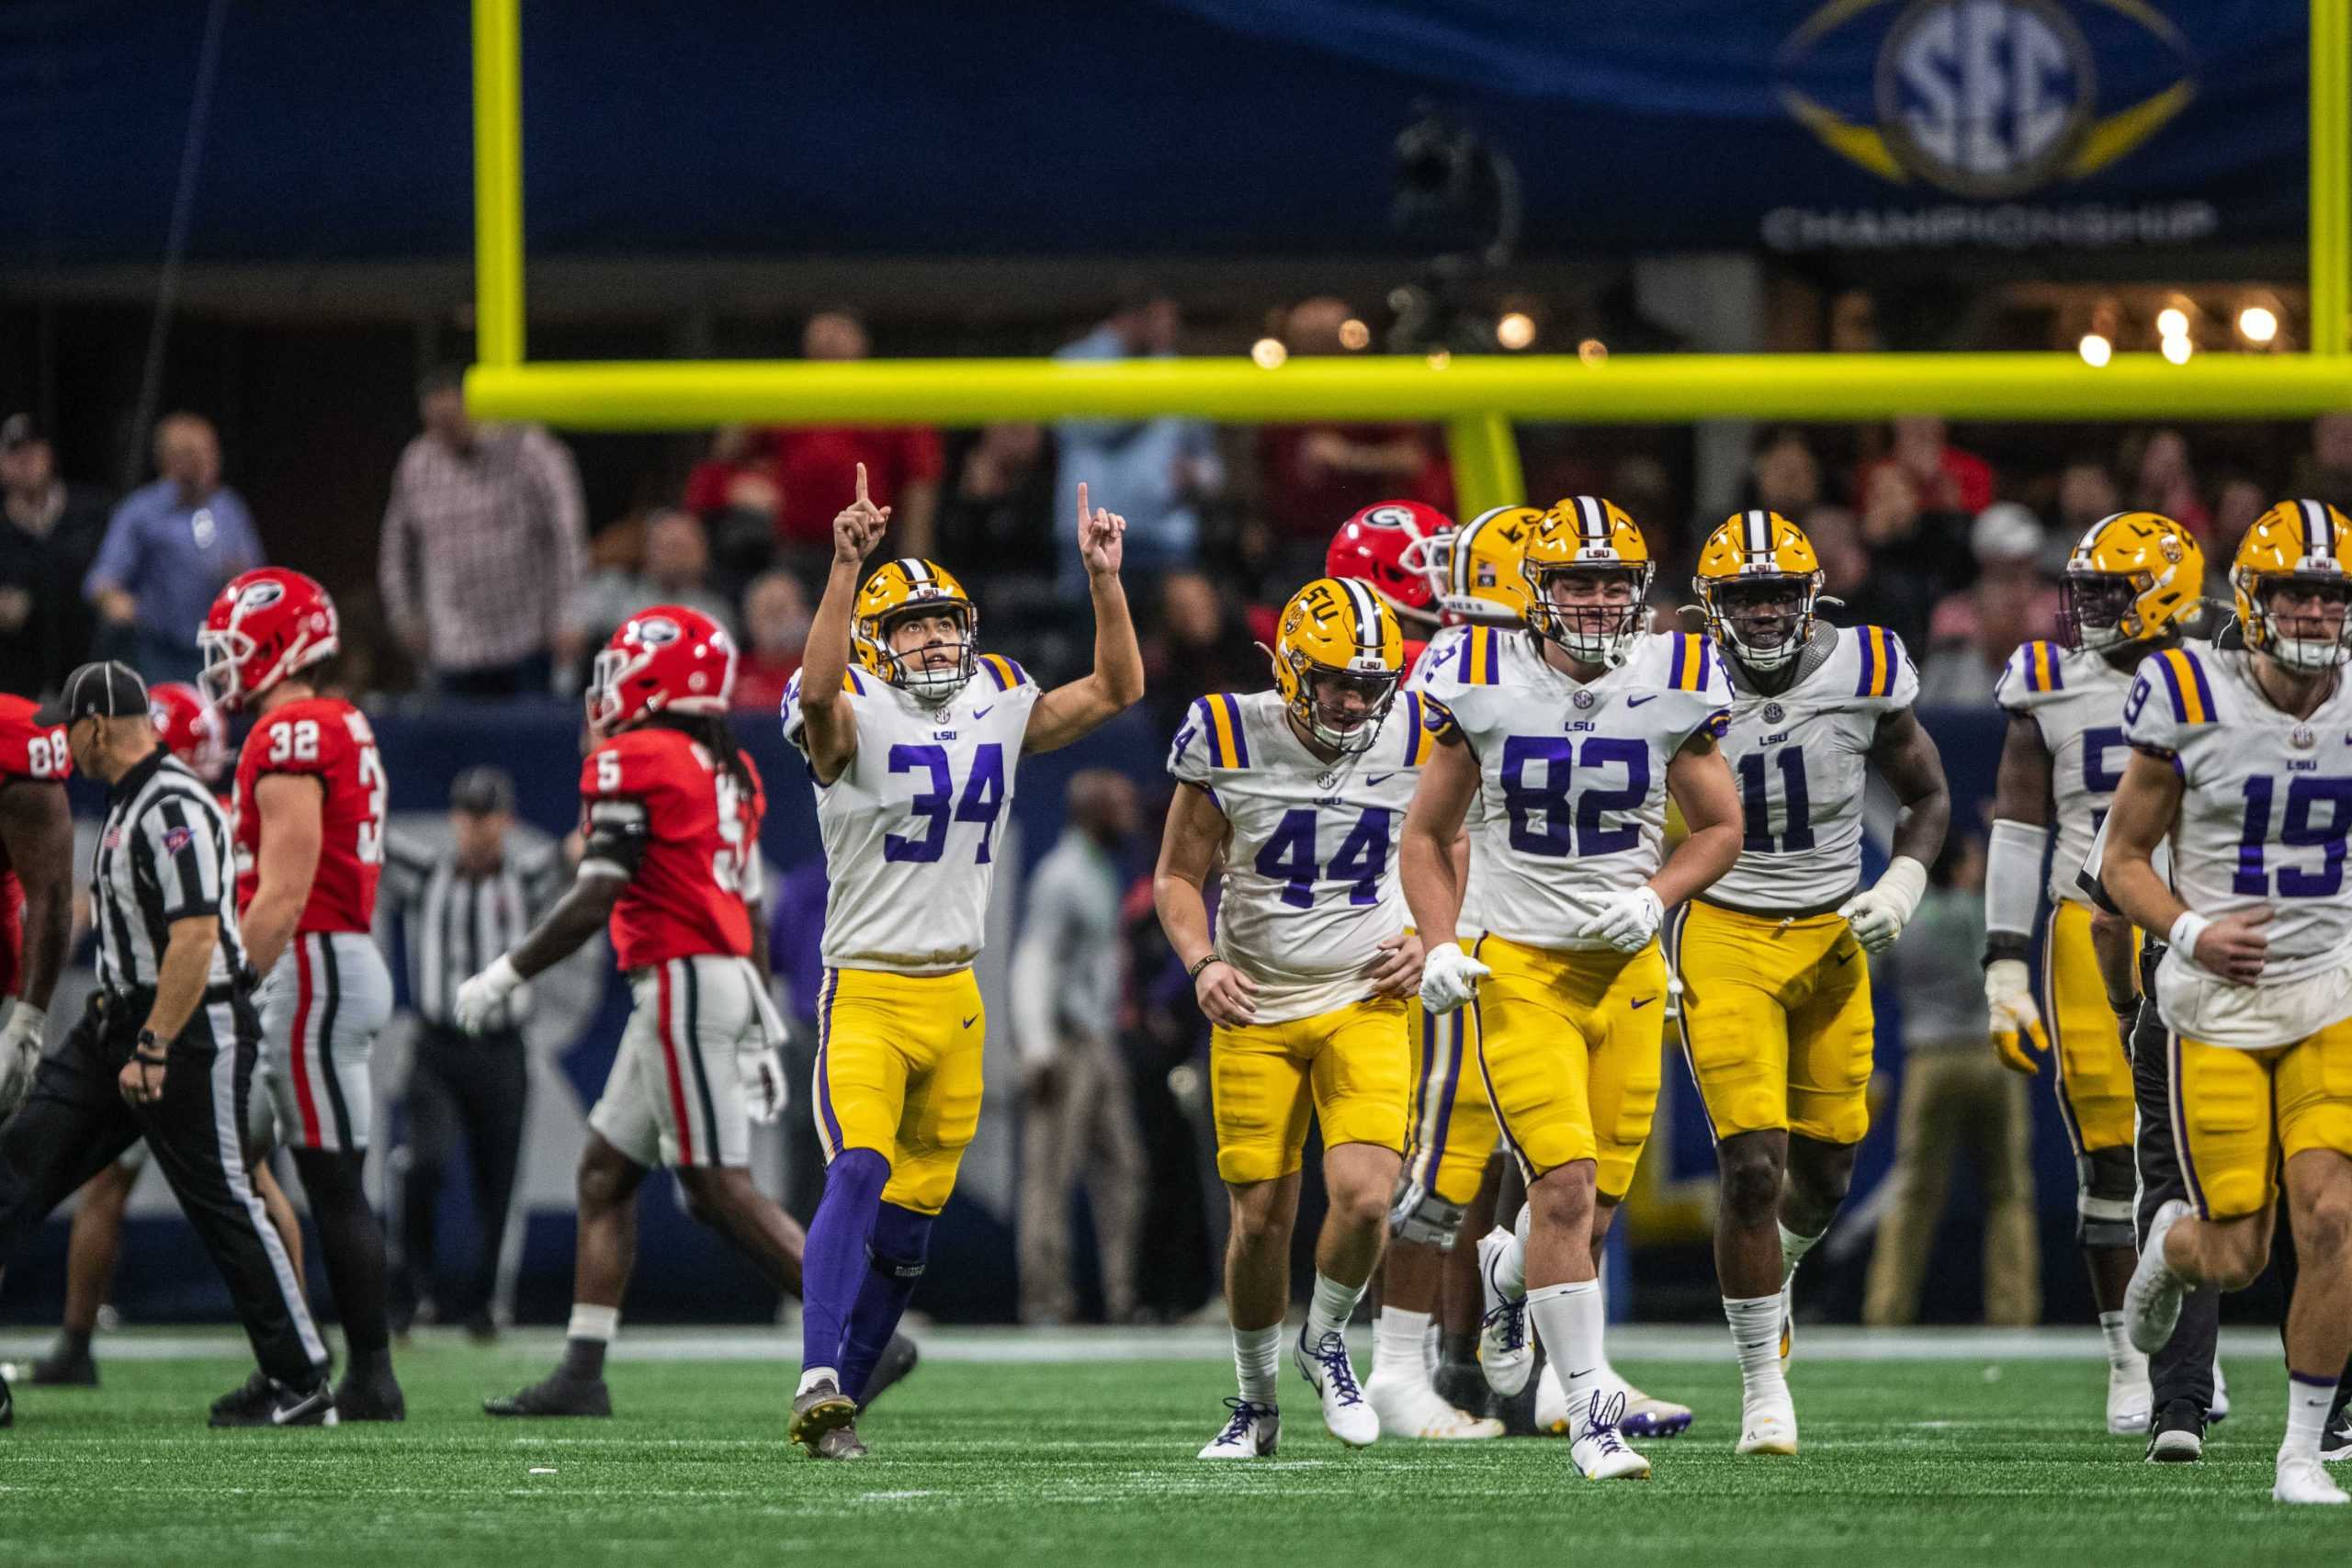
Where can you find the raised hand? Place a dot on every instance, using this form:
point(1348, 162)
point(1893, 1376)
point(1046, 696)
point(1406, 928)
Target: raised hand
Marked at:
point(857, 528)
point(1102, 538)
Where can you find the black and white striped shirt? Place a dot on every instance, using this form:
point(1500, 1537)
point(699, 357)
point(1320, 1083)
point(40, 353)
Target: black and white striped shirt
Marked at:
point(455, 924)
point(163, 854)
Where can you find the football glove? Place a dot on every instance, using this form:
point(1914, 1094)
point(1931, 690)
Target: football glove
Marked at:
point(20, 1040)
point(1627, 920)
point(762, 1074)
point(481, 1000)
point(1450, 977)
point(1879, 915)
point(2017, 1034)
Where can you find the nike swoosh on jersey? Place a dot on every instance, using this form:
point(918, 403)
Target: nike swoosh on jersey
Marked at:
point(983, 712)
point(1377, 779)
point(971, 1020)
point(1845, 958)
point(1640, 1002)
point(1637, 701)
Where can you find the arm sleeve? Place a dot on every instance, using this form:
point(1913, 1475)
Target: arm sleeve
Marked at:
point(2088, 876)
point(2013, 877)
point(1032, 979)
point(179, 852)
point(617, 817)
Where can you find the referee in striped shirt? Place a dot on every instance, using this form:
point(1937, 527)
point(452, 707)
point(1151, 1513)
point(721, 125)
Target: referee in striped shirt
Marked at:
point(165, 1050)
point(458, 910)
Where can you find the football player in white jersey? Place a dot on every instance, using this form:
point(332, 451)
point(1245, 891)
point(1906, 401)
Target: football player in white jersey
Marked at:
point(1300, 792)
point(2244, 758)
point(1573, 733)
point(2130, 585)
point(913, 753)
point(1776, 991)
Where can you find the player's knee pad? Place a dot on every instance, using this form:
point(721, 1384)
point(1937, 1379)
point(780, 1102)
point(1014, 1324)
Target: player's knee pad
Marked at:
point(900, 1244)
point(2107, 1185)
point(1417, 1214)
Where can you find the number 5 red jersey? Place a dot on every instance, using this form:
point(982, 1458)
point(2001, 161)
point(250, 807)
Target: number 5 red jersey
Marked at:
point(27, 751)
point(328, 739)
point(662, 811)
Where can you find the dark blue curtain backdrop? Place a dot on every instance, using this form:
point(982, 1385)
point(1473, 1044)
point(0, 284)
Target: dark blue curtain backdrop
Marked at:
point(1171, 127)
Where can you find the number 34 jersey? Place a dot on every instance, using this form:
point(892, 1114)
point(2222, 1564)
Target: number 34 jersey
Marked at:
point(2265, 808)
point(1801, 758)
point(663, 811)
point(1311, 888)
point(328, 739)
point(910, 827)
point(1572, 776)
point(2075, 699)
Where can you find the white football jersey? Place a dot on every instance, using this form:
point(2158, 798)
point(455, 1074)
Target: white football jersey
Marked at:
point(2075, 699)
point(1572, 777)
point(912, 828)
point(1801, 758)
point(1445, 646)
point(2265, 811)
point(1310, 888)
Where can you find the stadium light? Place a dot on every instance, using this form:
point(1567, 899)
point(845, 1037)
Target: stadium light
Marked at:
point(2178, 349)
point(1269, 352)
point(2172, 321)
point(2096, 350)
point(1354, 334)
point(1592, 351)
point(2258, 324)
point(1516, 329)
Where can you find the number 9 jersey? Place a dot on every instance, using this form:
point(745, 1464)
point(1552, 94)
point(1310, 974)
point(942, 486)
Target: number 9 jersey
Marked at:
point(909, 826)
point(328, 739)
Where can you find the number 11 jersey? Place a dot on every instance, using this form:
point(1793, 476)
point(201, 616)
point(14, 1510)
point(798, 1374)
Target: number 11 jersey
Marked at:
point(1310, 858)
point(911, 827)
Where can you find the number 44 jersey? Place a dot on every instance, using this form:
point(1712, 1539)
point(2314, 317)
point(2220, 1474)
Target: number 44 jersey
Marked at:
point(1310, 859)
point(910, 827)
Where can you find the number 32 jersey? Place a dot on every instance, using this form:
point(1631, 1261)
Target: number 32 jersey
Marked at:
point(1572, 777)
point(661, 810)
point(910, 827)
point(1311, 888)
point(2075, 699)
point(1801, 758)
point(328, 739)
point(2266, 809)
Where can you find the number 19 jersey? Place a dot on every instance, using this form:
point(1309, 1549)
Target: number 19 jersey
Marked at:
point(2075, 700)
point(910, 827)
point(1311, 888)
point(1572, 776)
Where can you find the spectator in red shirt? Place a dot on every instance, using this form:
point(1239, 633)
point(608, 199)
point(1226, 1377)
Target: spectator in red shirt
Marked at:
point(817, 465)
point(1314, 477)
point(776, 630)
point(1945, 478)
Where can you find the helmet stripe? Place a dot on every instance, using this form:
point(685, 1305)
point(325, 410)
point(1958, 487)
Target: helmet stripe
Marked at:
point(915, 570)
point(1759, 537)
point(2317, 539)
point(1367, 617)
point(1594, 527)
point(1458, 563)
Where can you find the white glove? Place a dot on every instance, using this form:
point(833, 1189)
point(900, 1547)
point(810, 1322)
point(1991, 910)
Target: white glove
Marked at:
point(479, 998)
point(1627, 920)
point(762, 1074)
point(1879, 914)
point(20, 1040)
point(2018, 1032)
point(1450, 977)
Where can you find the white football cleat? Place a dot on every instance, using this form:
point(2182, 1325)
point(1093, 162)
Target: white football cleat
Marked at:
point(2152, 1301)
point(1767, 1427)
point(2303, 1479)
point(1504, 1352)
point(1251, 1433)
point(1408, 1409)
point(1346, 1413)
point(1598, 1452)
point(2218, 1411)
point(2130, 1399)
point(1551, 1402)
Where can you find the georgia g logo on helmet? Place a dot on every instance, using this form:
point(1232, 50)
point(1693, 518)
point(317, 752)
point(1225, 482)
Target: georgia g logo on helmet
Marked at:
point(260, 595)
point(657, 631)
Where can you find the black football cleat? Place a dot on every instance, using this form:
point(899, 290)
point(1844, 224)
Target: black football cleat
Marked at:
point(8, 1404)
point(840, 1443)
point(557, 1396)
point(2178, 1434)
point(2334, 1444)
point(276, 1404)
point(370, 1396)
point(65, 1368)
point(1461, 1384)
point(898, 1358)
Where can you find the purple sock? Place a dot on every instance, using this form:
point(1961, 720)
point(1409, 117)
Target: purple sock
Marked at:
point(834, 1265)
point(900, 1241)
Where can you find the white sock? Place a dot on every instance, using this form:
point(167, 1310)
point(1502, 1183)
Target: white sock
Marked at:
point(2308, 1399)
point(1793, 1250)
point(1511, 1268)
point(1611, 1379)
point(812, 1376)
point(1257, 1363)
point(1400, 1346)
point(2121, 1355)
point(593, 1323)
point(1756, 1339)
point(1328, 1309)
point(1567, 1321)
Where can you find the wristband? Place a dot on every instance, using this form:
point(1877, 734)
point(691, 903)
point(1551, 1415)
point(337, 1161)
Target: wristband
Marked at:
point(2186, 930)
point(1206, 959)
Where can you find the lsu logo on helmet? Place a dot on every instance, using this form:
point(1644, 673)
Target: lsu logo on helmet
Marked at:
point(1757, 581)
point(1586, 535)
point(2132, 578)
point(2302, 546)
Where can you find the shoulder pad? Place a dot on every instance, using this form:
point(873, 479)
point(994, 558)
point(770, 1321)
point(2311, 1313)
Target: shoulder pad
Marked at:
point(1005, 672)
point(2182, 677)
point(1223, 733)
point(1424, 719)
point(1882, 658)
point(1690, 663)
point(2035, 671)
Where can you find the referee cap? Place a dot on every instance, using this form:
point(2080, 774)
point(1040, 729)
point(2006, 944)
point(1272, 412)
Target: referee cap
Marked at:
point(483, 791)
point(108, 689)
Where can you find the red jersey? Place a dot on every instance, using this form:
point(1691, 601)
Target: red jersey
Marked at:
point(691, 835)
point(27, 751)
point(328, 739)
point(1414, 648)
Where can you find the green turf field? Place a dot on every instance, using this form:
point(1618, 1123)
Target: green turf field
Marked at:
point(1090, 1461)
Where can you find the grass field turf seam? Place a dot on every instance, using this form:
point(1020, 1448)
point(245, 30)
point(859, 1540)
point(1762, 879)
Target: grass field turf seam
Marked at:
point(1078, 1463)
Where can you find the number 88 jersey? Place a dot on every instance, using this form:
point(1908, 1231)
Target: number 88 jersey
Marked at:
point(1310, 858)
point(666, 813)
point(328, 739)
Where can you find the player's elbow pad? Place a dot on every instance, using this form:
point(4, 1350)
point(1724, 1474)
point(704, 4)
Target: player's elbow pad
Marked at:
point(2013, 876)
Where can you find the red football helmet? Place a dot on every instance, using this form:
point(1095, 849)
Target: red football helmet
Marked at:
point(265, 627)
point(191, 727)
point(664, 659)
point(1391, 548)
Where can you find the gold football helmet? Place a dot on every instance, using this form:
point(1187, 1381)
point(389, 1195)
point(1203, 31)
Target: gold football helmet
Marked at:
point(1757, 581)
point(2302, 544)
point(1479, 566)
point(2131, 579)
point(911, 587)
point(1338, 641)
point(1586, 536)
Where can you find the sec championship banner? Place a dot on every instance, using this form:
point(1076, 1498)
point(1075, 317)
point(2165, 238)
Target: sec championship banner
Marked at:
point(1194, 127)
